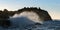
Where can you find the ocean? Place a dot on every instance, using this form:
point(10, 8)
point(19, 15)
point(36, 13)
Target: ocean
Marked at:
point(31, 21)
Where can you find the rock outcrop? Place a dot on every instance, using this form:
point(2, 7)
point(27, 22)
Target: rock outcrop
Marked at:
point(43, 15)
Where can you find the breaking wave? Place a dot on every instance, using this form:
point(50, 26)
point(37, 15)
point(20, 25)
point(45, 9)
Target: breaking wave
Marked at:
point(30, 15)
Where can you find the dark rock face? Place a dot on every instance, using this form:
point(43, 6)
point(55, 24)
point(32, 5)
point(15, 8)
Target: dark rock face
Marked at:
point(41, 13)
point(44, 15)
point(4, 22)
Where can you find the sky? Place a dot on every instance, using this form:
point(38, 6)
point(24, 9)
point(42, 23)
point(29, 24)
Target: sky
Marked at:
point(52, 6)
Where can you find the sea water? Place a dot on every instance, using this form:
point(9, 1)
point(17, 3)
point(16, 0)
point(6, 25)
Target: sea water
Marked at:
point(27, 20)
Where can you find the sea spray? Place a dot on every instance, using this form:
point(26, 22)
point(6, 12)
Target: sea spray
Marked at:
point(30, 15)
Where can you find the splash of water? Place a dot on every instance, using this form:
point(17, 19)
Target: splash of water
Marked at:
point(31, 15)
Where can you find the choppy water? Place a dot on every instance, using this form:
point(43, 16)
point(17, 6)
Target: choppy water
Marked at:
point(47, 25)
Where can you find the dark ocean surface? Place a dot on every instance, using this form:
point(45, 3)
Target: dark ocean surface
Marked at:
point(26, 24)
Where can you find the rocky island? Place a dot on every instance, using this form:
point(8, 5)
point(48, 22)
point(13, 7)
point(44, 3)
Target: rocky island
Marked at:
point(5, 15)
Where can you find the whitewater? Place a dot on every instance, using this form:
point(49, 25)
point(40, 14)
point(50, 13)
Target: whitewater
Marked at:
point(31, 21)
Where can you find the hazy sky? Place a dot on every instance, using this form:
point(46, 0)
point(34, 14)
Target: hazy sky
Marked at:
point(52, 6)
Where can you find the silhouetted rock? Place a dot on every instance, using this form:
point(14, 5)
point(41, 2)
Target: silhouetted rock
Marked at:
point(4, 15)
point(5, 10)
point(44, 15)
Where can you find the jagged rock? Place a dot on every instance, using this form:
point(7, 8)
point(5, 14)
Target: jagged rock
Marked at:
point(4, 22)
point(44, 15)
